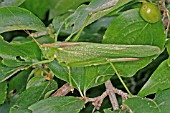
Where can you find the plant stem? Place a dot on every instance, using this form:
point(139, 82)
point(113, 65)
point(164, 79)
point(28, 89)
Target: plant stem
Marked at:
point(112, 95)
point(64, 90)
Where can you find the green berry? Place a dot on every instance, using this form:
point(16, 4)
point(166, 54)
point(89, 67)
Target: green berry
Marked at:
point(150, 12)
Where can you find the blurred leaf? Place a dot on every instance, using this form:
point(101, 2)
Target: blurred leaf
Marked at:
point(94, 32)
point(35, 7)
point(109, 111)
point(30, 96)
point(168, 49)
point(15, 109)
point(18, 83)
point(101, 23)
point(15, 18)
point(142, 105)
point(86, 14)
point(163, 100)
point(63, 104)
point(77, 19)
point(158, 81)
point(3, 91)
point(104, 7)
point(4, 108)
point(19, 54)
point(130, 28)
point(96, 112)
point(11, 3)
point(83, 78)
point(35, 81)
point(7, 72)
point(20, 39)
point(58, 22)
point(115, 111)
point(57, 7)
point(81, 16)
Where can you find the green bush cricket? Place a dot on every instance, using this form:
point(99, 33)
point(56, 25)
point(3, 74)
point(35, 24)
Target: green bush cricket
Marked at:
point(80, 54)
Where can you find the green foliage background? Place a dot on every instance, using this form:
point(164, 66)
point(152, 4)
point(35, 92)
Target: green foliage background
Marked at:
point(24, 89)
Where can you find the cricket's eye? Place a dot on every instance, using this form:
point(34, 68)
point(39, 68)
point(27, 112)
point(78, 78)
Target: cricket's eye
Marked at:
point(150, 12)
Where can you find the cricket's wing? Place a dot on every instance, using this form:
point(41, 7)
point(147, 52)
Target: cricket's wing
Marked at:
point(84, 54)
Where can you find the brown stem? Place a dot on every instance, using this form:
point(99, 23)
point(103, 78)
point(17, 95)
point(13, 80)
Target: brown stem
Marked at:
point(62, 91)
point(112, 95)
point(97, 101)
point(120, 92)
point(111, 91)
point(38, 34)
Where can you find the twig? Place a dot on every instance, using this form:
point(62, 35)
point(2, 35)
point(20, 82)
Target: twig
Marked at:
point(38, 34)
point(166, 17)
point(97, 101)
point(120, 92)
point(111, 91)
point(112, 95)
point(65, 89)
point(41, 33)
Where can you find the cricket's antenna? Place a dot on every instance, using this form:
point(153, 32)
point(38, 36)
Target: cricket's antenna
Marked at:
point(31, 35)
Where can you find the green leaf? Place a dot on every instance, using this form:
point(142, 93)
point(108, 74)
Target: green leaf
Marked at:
point(15, 18)
point(35, 7)
point(31, 95)
point(104, 7)
point(96, 112)
point(109, 111)
point(58, 22)
point(83, 78)
point(86, 14)
point(81, 16)
point(19, 54)
point(11, 3)
point(115, 111)
point(58, 9)
point(163, 100)
point(5, 108)
point(19, 110)
point(99, 24)
point(130, 28)
point(142, 105)
point(18, 83)
point(3, 91)
point(37, 80)
point(7, 72)
point(94, 32)
point(158, 81)
point(64, 104)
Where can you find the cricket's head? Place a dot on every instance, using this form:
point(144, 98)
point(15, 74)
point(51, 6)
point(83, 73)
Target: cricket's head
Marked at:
point(48, 51)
